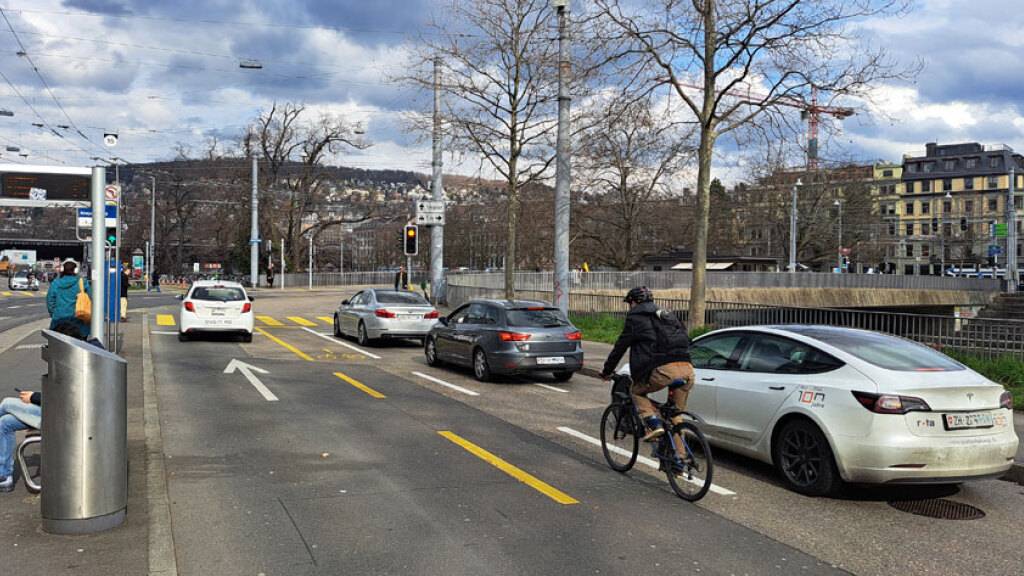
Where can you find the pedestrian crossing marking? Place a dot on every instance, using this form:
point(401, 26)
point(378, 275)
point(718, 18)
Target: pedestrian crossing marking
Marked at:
point(269, 321)
point(326, 320)
point(164, 320)
point(301, 321)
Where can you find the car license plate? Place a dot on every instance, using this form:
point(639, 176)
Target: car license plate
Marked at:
point(215, 322)
point(549, 360)
point(216, 312)
point(964, 421)
point(410, 317)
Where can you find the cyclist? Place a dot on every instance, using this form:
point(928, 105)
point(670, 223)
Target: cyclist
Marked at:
point(659, 356)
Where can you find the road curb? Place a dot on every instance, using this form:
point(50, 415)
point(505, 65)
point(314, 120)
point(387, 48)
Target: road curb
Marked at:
point(161, 537)
point(9, 338)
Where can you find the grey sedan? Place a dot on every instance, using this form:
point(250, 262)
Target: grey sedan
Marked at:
point(507, 337)
point(376, 313)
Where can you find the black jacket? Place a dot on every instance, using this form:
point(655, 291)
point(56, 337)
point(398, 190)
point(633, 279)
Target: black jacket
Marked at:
point(401, 280)
point(126, 280)
point(640, 336)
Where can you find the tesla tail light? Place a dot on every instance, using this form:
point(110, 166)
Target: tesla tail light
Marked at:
point(190, 307)
point(513, 336)
point(383, 313)
point(433, 314)
point(247, 307)
point(577, 335)
point(1006, 400)
point(890, 403)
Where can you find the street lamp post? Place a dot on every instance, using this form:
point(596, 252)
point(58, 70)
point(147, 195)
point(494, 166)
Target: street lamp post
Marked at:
point(839, 204)
point(942, 233)
point(792, 228)
point(152, 231)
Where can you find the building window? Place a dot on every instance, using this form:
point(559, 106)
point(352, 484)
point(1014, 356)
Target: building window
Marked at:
point(925, 269)
point(908, 188)
point(947, 184)
point(1017, 202)
point(886, 173)
point(892, 228)
point(949, 165)
point(910, 250)
point(968, 206)
point(947, 206)
point(928, 166)
point(995, 161)
point(926, 186)
point(993, 182)
point(910, 228)
point(947, 229)
point(909, 209)
point(912, 167)
point(908, 269)
point(925, 250)
point(971, 163)
point(969, 183)
point(926, 207)
point(993, 205)
point(924, 229)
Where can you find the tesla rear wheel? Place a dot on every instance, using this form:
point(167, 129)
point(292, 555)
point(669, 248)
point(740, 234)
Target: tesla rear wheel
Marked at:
point(619, 441)
point(804, 459)
point(481, 370)
point(430, 351)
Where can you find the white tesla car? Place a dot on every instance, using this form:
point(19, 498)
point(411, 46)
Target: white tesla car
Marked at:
point(825, 404)
point(213, 306)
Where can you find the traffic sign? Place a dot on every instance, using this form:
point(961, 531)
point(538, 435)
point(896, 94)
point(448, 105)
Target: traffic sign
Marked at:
point(994, 250)
point(85, 217)
point(110, 140)
point(1001, 230)
point(430, 219)
point(430, 212)
point(111, 192)
point(435, 206)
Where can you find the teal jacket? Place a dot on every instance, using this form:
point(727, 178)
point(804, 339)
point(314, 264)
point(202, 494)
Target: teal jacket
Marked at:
point(60, 302)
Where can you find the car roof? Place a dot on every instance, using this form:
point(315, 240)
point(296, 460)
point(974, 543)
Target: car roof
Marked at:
point(511, 304)
point(208, 283)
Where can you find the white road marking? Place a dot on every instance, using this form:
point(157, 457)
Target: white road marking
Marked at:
point(553, 388)
point(448, 384)
point(247, 371)
point(164, 332)
point(13, 307)
point(29, 346)
point(341, 343)
point(649, 462)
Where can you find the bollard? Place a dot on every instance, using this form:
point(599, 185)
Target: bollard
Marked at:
point(84, 451)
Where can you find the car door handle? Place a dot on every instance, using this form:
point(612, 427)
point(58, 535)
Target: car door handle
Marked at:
point(776, 387)
point(712, 379)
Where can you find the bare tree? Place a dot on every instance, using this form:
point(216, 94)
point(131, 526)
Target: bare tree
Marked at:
point(733, 61)
point(293, 177)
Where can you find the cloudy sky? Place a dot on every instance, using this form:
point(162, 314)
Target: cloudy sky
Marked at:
point(160, 73)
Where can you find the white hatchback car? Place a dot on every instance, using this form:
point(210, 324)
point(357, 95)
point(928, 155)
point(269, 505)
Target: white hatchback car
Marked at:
point(213, 306)
point(825, 404)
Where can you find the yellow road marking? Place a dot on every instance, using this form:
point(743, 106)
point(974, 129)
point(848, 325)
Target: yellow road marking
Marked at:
point(360, 385)
point(8, 294)
point(517, 473)
point(164, 320)
point(301, 321)
point(326, 320)
point(269, 321)
point(27, 294)
point(286, 345)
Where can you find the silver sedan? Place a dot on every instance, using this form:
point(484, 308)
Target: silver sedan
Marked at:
point(375, 314)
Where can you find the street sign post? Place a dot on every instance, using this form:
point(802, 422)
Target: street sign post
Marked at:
point(430, 212)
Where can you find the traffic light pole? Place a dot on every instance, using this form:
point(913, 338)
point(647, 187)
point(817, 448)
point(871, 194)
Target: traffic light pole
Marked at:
point(437, 192)
point(562, 166)
point(98, 264)
point(254, 232)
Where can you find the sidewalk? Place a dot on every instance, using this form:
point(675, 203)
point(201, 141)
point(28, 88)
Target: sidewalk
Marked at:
point(28, 550)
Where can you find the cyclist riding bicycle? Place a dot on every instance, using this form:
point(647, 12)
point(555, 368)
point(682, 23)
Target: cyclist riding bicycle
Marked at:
point(659, 357)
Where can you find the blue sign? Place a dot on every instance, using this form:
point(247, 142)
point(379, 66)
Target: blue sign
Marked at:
point(85, 217)
point(994, 250)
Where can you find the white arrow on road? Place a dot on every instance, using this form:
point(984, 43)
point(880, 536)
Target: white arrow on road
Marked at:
point(247, 371)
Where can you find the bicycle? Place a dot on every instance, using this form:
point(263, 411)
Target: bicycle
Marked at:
point(688, 468)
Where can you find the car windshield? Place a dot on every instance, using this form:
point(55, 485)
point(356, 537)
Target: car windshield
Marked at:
point(538, 317)
point(884, 351)
point(408, 298)
point(218, 294)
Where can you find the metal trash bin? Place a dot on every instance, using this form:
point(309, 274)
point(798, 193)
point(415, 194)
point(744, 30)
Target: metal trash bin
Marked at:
point(84, 452)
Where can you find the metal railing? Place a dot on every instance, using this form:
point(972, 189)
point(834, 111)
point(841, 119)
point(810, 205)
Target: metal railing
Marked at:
point(676, 279)
point(986, 337)
point(328, 279)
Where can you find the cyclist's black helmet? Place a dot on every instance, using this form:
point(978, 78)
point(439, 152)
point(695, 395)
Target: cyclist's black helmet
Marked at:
point(639, 295)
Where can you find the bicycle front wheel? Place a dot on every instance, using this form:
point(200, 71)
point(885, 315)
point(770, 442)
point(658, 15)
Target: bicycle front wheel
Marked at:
point(690, 474)
point(619, 440)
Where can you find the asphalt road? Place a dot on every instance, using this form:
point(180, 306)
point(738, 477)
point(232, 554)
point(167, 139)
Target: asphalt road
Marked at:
point(17, 307)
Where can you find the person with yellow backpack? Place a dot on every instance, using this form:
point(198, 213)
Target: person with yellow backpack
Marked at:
point(63, 301)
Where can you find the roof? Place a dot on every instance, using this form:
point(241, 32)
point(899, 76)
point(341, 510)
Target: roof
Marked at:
point(224, 283)
point(510, 304)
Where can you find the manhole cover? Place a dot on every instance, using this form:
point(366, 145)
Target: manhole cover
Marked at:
point(939, 508)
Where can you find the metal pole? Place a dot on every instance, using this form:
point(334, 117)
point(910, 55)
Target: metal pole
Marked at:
point(1011, 233)
point(152, 229)
point(254, 233)
point(563, 175)
point(98, 264)
point(310, 261)
point(282, 264)
point(116, 288)
point(792, 231)
point(437, 193)
point(840, 250)
point(341, 254)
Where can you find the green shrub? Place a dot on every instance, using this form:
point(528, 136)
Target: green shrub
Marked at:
point(700, 331)
point(599, 327)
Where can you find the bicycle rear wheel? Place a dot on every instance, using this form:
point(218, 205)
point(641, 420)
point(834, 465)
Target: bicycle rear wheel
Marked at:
point(690, 475)
point(619, 441)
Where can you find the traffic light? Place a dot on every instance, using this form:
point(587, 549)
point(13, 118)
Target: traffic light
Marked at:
point(111, 236)
point(963, 224)
point(412, 240)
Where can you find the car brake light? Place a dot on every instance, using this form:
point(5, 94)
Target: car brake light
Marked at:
point(432, 315)
point(247, 307)
point(890, 403)
point(577, 335)
point(383, 313)
point(190, 307)
point(535, 309)
point(513, 336)
point(1006, 400)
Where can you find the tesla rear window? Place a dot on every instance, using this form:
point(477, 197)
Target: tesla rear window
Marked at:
point(410, 298)
point(218, 294)
point(885, 351)
point(537, 318)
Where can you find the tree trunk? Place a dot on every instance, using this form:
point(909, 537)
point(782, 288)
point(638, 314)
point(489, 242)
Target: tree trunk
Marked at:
point(510, 245)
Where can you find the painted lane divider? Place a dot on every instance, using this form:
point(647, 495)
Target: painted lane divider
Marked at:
point(329, 320)
point(247, 371)
point(448, 384)
point(552, 388)
point(164, 332)
point(269, 321)
point(301, 321)
point(341, 343)
point(649, 462)
point(164, 320)
point(360, 385)
point(510, 469)
point(285, 345)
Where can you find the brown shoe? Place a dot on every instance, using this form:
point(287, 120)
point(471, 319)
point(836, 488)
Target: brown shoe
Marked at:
point(652, 424)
